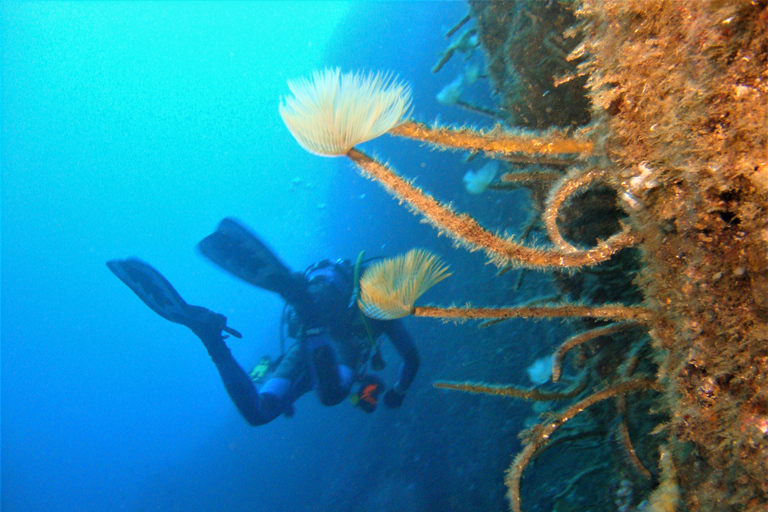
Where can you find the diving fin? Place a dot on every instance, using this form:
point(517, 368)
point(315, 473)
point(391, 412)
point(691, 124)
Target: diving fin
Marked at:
point(160, 295)
point(238, 251)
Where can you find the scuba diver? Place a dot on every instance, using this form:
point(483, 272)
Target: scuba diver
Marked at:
point(335, 343)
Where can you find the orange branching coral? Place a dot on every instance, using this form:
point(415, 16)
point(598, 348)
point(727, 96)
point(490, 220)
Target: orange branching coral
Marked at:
point(559, 194)
point(526, 177)
point(495, 142)
point(466, 230)
point(542, 433)
point(626, 440)
point(608, 311)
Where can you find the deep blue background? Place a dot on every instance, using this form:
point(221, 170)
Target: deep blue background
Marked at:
point(131, 129)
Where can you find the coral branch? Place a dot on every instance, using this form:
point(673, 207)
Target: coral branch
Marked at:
point(513, 180)
point(478, 109)
point(578, 339)
point(626, 441)
point(560, 193)
point(554, 161)
point(458, 25)
point(465, 230)
point(466, 43)
point(614, 312)
point(530, 177)
point(511, 391)
point(542, 435)
point(495, 141)
point(548, 299)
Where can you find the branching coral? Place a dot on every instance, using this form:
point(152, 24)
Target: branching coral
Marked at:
point(495, 142)
point(679, 95)
point(542, 433)
point(511, 391)
point(560, 193)
point(578, 339)
point(465, 230)
point(606, 312)
point(384, 299)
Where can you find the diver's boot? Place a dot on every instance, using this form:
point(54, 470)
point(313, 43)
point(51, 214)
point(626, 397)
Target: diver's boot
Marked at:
point(208, 326)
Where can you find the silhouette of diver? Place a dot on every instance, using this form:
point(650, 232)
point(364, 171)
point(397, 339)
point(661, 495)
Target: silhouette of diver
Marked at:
point(335, 343)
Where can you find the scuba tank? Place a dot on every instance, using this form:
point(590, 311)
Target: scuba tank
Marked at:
point(334, 289)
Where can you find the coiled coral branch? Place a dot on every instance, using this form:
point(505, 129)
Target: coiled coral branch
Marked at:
point(560, 193)
point(578, 339)
point(465, 230)
point(544, 432)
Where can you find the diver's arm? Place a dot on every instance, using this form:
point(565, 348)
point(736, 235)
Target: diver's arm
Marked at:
point(405, 347)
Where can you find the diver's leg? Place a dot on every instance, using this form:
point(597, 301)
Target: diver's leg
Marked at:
point(287, 383)
point(239, 386)
point(332, 378)
point(160, 295)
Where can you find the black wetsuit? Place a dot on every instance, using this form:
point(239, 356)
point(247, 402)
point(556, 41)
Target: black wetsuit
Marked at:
point(327, 358)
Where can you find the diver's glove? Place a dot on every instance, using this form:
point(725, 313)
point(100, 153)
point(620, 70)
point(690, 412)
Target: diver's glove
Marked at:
point(393, 398)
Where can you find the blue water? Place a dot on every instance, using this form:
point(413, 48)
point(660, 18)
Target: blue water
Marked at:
point(132, 129)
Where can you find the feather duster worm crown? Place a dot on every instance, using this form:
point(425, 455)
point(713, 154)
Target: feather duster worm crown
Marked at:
point(388, 289)
point(333, 111)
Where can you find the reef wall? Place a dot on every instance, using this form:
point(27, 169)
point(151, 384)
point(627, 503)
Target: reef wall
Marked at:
point(675, 95)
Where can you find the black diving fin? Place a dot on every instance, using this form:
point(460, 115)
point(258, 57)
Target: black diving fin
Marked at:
point(237, 250)
point(160, 295)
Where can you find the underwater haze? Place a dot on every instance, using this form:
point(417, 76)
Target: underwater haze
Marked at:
point(132, 129)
